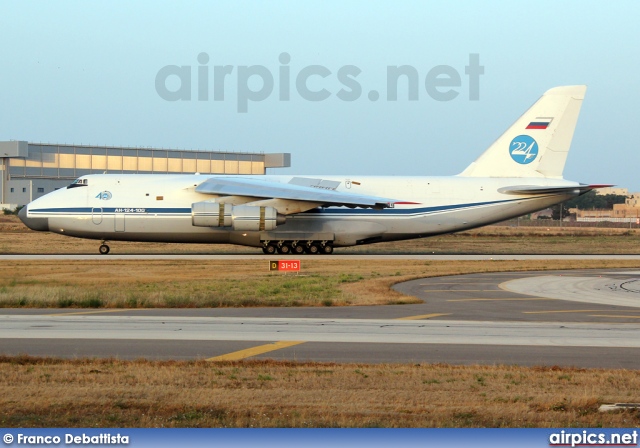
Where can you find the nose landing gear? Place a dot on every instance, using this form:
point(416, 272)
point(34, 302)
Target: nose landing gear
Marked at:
point(104, 249)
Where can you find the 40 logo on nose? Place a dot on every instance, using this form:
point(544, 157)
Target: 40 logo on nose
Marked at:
point(523, 149)
point(104, 195)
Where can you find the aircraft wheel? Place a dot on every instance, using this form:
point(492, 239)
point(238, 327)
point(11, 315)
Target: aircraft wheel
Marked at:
point(269, 249)
point(327, 249)
point(313, 249)
point(284, 249)
point(104, 249)
point(298, 249)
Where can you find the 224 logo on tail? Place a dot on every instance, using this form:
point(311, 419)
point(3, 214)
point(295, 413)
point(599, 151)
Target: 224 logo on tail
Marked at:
point(523, 149)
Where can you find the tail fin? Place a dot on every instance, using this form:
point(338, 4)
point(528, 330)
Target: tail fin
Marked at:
point(537, 144)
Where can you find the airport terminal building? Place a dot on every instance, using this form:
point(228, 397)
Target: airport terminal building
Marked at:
point(30, 170)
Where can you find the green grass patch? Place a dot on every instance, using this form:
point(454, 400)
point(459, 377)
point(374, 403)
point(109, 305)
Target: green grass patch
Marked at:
point(308, 290)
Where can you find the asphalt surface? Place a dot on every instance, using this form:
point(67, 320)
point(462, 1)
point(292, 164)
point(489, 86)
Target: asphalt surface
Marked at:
point(585, 318)
point(435, 257)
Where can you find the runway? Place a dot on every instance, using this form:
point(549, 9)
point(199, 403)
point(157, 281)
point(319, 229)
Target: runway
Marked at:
point(345, 257)
point(375, 331)
point(586, 318)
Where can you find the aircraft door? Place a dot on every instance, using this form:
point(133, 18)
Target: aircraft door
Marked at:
point(119, 222)
point(96, 215)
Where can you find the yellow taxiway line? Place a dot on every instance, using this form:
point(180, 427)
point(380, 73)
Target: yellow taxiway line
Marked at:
point(93, 312)
point(253, 351)
point(423, 316)
point(560, 311)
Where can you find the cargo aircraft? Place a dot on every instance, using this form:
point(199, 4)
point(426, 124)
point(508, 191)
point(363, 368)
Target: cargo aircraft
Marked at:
point(521, 172)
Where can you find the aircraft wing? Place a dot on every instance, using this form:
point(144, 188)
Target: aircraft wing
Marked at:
point(536, 190)
point(325, 195)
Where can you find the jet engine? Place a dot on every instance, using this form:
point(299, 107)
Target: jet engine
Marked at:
point(238, 217)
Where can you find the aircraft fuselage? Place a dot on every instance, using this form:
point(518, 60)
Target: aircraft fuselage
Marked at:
point(158, 208)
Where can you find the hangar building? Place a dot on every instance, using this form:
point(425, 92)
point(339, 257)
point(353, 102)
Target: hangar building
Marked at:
point(30, 170)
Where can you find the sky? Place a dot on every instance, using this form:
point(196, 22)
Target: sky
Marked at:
point(226, 75)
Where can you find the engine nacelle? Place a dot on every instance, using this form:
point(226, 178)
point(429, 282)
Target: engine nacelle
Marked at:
point(253, 218)
point(211, 214)
point(238, 217)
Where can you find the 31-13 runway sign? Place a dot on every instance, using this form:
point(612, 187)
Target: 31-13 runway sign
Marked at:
point(284, 265)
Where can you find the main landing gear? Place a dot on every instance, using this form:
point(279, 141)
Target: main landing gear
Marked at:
point(297, 247)
point(104, 249)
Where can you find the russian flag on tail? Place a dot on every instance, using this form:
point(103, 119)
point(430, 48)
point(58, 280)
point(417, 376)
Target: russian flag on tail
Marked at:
point(540, 123)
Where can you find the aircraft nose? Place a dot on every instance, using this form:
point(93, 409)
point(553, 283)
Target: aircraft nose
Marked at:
point(41, 224)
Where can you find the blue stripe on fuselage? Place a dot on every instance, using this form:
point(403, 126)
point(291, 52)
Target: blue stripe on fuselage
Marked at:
point(89, 210)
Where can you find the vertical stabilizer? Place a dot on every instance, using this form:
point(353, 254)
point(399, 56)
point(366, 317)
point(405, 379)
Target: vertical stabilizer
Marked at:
point(538, 143)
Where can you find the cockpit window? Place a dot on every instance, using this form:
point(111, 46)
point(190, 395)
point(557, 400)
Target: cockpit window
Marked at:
point(79, 183)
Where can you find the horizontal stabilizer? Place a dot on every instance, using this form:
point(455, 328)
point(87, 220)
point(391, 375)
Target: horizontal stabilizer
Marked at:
point(536, 189)
point(256, 188)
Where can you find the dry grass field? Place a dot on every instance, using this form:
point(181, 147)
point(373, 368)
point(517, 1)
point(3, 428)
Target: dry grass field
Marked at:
point(221, 283)
point(112, 393)
point(43, 392)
